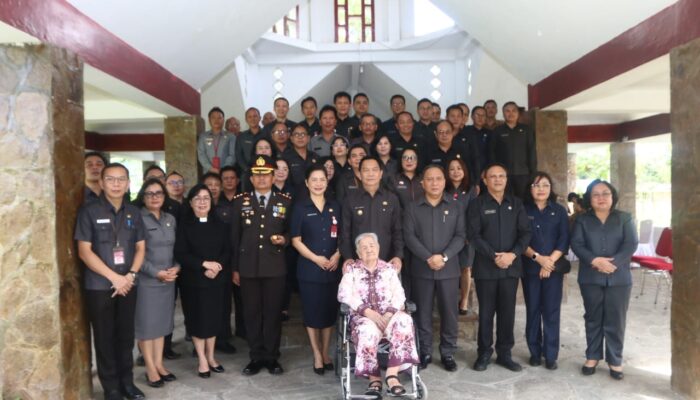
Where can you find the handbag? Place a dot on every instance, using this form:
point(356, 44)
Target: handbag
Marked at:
point(562, 265)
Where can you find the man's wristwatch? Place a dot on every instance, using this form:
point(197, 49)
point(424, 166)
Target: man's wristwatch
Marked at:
point(444, 258)
point(133, 274)
point(535, 255)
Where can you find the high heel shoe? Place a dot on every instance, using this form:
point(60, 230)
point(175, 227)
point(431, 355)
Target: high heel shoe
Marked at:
point(204, 375)
point(319, 371)
point(329, 366)
point(617, 375)
point(158, 383)
point(218, 369)
point(168, 378)
point(588, 370)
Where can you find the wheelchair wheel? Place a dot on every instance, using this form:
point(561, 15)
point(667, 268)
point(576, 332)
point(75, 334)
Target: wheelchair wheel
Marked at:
point(421, 389)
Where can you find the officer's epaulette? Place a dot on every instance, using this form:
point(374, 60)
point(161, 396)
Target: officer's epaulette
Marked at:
point(285, 195)
point(239, 195)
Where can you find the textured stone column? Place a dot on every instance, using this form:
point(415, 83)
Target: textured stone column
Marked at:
point(571, 175)
point(551, 131)
point(685, 172)
point(44, 339)
point(623, 175)
point(181, 146)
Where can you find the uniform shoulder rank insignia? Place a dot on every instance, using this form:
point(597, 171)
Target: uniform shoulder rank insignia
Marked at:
point(239, 195)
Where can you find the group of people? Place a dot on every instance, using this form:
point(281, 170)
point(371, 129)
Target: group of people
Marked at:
point(354, 210)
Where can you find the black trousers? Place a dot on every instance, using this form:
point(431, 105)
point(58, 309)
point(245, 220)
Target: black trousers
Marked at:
point(263, 299)
point(543, 303)
point(226, 332)
point(447, 293)
point(517, 185)
point(406, 274)
point(112, 321)
point(496, 298)
point(606, 318)
point(238, 312)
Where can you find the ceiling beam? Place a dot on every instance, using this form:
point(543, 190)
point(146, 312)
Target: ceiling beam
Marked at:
point(124, 141)
point(654, 125)
point(340, 57)
point(59, 23)
point(652, 38)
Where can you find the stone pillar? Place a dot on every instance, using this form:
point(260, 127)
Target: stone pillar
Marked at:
point(685, 221)
point(181, 146)
point(623, 175)
point(571, 175)
point(552, 139)
point(44, 338)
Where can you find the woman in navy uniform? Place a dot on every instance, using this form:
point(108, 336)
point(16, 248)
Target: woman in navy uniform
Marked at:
point(542, 283)
point(314, 233)
point(460, 189)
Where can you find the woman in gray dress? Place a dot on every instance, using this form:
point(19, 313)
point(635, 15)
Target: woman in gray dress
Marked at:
point(155, 301)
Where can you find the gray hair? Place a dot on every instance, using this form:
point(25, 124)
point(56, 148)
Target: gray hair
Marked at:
point(364, 235)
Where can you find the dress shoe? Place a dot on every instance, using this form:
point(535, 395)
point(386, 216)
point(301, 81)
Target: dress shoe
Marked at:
point(204, 375)
point(113, 395)
point(154, 384)
point(252, 368)
point(449, 363)
point(218, 369)
point(169, 377)
point(508, 363)
point(170, 354)
point(482, 362)
point(131, 392)
point(225, 347)
point(140, 361)
point(319, 371)
point(463, 311)
point(535, 361)
point(588, 370)
point(551, 365)
point(275, 368)
point(617, 375)
point(329, 366)
point(425, 360)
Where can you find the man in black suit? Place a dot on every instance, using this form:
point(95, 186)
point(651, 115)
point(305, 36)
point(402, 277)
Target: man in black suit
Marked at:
point(260, 233)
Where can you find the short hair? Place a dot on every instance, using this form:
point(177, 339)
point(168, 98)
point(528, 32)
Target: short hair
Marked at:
point(477, 108)
point(490, 101)
point(215, 109)
point(114, 165)
point(573, 197)
point(280, 98)
point(151, 168)
point(360, 94)
point(193, 193)
point(358, 146)
point(311, 99)
point(370, 158)
point(211, 175)
point(95, 154)
point(340, 95)
point(397, 96)
point(233, 168)
point(454, 107)
point(343, 139)
point(492, 165)
point(404, 113)
point(424, 100)
point(438, 167)
point(511, 103)
point(589, 189)
point(316, 167)
point(173, 172)
point(538, 176)
point(370, 115)
point(436, 105)
point(463, 105)
point(299, 125)
point(142, 192)
point(328, 108)
point(361, 236)
point(252, 109)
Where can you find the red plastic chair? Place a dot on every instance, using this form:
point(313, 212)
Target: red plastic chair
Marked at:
point(660, 267)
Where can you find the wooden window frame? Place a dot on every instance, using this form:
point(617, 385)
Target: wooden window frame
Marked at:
point(286, 22)
point(347, 20)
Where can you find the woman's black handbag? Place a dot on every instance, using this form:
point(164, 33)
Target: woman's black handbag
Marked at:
point(562, 265)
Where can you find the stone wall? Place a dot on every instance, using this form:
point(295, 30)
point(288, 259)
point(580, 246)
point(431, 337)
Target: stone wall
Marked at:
point(623, 175)
point(552, 137)
point(44, 341)
point(181, 147)
point(685, 174)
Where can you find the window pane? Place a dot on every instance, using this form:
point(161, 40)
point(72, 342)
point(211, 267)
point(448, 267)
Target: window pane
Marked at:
point(279, 27)
point(341, 35)
point(369, 37)
point(368, 2)
point(341, 16)
point(293, 30)
point(354, 7)
point(292, 13)
point(355, 30)
point(341, 2)
point(368, 15)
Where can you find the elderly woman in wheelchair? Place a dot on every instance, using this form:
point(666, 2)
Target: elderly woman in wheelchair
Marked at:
point(374, 293)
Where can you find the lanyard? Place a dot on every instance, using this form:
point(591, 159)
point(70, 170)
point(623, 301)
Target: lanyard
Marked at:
point(217, 139)
point(118, 227)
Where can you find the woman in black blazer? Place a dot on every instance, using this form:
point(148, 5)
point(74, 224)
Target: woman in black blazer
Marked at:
point(201, 248)
point(604, 240)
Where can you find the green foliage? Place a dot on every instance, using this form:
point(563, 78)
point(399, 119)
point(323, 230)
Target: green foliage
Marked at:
point(593, 164)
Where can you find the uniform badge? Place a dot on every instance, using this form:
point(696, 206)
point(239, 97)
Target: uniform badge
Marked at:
point(447, 212)
point(209, 141)
point(330, 210)
point(167, 224)
point(247, 221)
point(400, 182)
point(510, 208)
point(246, 202)
point(384, 203)
point(359, 212)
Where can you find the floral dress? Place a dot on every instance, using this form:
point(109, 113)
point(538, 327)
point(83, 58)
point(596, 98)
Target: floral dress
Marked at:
point(382, 292)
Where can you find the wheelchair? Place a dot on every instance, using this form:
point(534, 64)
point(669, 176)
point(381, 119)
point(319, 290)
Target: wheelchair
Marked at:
point(345, 360)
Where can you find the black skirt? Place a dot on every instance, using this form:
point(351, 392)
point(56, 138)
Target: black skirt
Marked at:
point(203, 308)
point(319, 303)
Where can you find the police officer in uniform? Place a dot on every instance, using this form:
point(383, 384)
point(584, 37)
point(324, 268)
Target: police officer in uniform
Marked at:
point(260, 233)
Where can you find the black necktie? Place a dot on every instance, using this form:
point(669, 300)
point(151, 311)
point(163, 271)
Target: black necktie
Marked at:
point(262, 201)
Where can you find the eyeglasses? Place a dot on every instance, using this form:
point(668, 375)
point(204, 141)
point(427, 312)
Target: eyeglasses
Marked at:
point(299, 134)
point(540, 186)
point(179, 182)
point(340, 145)
point(408, 158)
point(280, 132)
point(154, 195)
point(599, 195)
point(204, 199)
point(113, 179)
point(444, 132)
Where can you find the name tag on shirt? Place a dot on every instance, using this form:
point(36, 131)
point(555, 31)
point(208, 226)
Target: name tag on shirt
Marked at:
point(311, 215)
point(118, 253)
point(103, 221)
point(487, 212)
